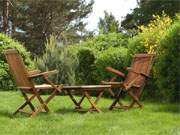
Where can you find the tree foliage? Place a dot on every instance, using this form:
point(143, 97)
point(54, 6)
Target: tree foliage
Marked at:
point(36, 20)
point(146, 9)
point(108, 24)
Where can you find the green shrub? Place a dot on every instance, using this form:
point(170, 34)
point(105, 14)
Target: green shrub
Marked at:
point(60, 58)
point(87, 52)
point(6, 81)
point(168, 63)
point(136, 45)
point(105, 41)
point(114, 57)
point(85, 70)
point(78, 61)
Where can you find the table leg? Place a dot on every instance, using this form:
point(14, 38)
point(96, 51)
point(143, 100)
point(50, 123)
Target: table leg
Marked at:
point(91, 102)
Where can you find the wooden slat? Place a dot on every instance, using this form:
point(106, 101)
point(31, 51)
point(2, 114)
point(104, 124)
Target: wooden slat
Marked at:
point(17, 68)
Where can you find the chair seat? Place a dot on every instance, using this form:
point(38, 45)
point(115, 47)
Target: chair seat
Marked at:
point(43, 87)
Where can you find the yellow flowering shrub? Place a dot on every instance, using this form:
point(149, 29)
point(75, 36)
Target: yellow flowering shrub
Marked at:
point(154, 31)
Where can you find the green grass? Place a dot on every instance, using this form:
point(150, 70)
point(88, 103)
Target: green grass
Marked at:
point(154, 119)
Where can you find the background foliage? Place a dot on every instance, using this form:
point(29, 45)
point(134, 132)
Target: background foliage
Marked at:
point(32, 21)
point(168, 62)
point(143, 14)
point(58, 57)
point(113, 57)
point(108, 24)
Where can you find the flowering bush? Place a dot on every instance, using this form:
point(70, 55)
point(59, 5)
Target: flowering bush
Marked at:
point(149, 37)
point(153, 32)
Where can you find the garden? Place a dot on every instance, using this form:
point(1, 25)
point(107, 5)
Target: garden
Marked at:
point(82, 60)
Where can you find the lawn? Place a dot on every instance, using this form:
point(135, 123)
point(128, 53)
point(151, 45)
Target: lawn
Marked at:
point(154, 119)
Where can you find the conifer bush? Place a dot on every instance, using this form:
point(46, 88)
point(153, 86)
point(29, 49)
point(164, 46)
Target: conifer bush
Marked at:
point(59, 58)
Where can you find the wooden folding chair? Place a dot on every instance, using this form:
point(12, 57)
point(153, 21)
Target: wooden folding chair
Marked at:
point(24, 81)
point(134, 81)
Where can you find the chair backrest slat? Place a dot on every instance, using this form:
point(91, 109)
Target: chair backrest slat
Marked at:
point(17, 68)
point(140, 63)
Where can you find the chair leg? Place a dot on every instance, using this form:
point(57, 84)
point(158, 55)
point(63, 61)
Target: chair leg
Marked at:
point(27, 102)
point(116, 100)
point(113, 95)
point(42, 102)
point(135, 99)
point(53, 94)
point(111, 92)
point(38, 110)
point(131, 104)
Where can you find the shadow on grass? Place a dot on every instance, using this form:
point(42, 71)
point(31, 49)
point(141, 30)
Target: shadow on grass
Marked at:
point(72, 110)
point(18, 115)
point(6, 114)
point(65, 110)
point(170, 108)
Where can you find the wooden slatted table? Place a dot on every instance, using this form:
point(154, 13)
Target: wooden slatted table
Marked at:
point(86, 91)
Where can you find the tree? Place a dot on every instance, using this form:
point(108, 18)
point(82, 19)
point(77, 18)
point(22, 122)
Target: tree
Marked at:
point(33, 21)
point(5, 15)
point(146, 9)
point(108, 23)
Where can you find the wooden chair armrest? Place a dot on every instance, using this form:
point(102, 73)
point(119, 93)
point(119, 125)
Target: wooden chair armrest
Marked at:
point(43, 74)
point(113, 84)
point(34, 72)
point(144, 74)
point(130, 84)
point(25, 88)
point(141, 73)
point(116, 72)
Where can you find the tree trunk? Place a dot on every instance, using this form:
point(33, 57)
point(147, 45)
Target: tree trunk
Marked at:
point(13, 13)
point(5, 16)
